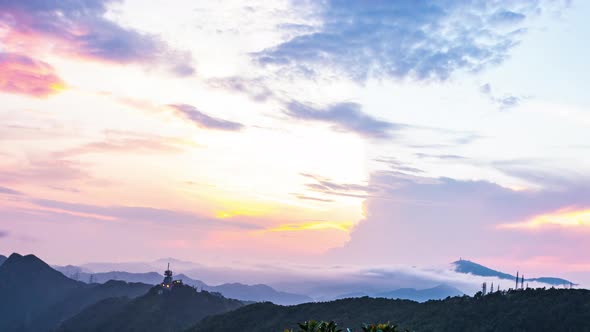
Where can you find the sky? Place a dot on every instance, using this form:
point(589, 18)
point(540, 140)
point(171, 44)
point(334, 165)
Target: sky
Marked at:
point(325, 132)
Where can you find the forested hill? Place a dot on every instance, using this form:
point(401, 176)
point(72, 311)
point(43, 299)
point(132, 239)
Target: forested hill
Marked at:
point(524, 310)
point(35, 297)
point(168, 311)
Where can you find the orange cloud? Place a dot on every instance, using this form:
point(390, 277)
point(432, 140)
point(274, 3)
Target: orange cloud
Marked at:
point(23, 75)
point(319, 225)
point(562, 218)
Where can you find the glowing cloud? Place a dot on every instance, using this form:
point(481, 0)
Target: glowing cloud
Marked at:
point(24, 75)
point(561, 218)
point(320, 225)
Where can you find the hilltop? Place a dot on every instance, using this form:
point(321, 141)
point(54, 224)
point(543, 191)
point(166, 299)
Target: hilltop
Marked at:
point(163, 311)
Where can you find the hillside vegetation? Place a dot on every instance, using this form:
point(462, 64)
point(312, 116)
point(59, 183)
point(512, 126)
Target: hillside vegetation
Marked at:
point(526, 310)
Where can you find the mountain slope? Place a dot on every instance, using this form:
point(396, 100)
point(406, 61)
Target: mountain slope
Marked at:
point(465, 266)
point(40, 297)
point(173, 310)
point(529, 310)
point(3, 259)
point(32, 286)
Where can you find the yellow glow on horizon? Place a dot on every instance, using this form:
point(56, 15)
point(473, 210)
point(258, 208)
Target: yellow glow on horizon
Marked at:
point(320, 225)
point(563, 218)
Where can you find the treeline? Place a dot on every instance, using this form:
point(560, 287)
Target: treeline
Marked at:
point(523, 310)
point(314, 326)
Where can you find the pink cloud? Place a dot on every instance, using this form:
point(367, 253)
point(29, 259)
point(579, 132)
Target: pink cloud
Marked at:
point(23, 75)
point(80, 29)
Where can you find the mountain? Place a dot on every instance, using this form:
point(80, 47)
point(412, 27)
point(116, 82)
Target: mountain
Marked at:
point(536, 310)
point(150, 278)
point(465, 266)
point(238, 291)
point(32, 287)
point(258, 293)
point(174, 310)
point(422, 295)
point(419, 295)
point(2, 259)
point(40, 297)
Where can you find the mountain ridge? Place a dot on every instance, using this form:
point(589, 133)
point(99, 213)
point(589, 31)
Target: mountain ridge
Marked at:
point(41, 297)
point(239, 291)
point(469, 267)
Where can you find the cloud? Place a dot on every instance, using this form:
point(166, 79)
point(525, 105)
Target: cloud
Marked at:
point(398, 166)
point(452, 157)
point(80, 28)
point(344, 116)
point(507, 17)
point(17, 132)
point(311, 198)
point(8, 191)
point(505, 102)
point(46, 171)
point(440, 219)
point(400, 39)
point(205, 121)
point(522, 169)
point(4, 234)
point(137, 214)
point(128, 142)
point(255, 88)
point(328, 187)
point(317, 225)
point(23, 75)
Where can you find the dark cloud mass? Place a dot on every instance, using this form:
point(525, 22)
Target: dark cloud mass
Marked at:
point(81, 29)
point(205, 121)
point(405, 38)
point(344, 116)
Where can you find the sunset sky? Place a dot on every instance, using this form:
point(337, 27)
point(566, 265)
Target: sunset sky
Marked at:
point(360, 132)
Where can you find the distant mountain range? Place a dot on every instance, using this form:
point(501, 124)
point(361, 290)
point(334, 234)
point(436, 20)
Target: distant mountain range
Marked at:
point(419, 295)
point(422, 295)
point(37, 298)
point(466, 266)
point(252, 293)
